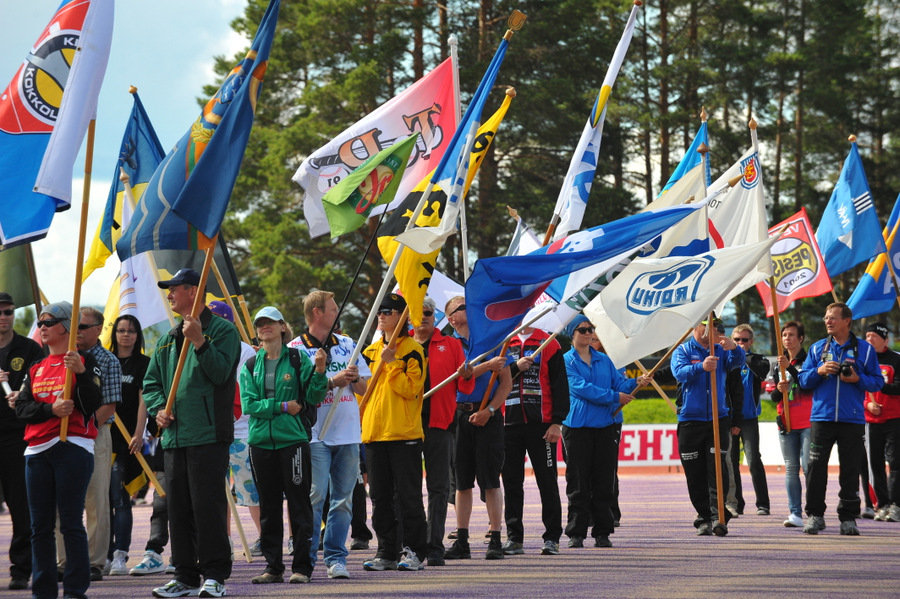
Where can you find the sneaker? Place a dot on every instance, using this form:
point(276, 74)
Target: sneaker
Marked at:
point(494, 550)
point(119, 566)
point(410, 561)
point(435, 561)
point(893, 514)
point(106, 567)
point(379, 564)
point(576, 542)
point(763, 511)
point(359, 545)
point(212, 588)
point(734, 511)
point(814, 524)
point(849, 529)
point(290, 546)
point(97, 573)
point(793, 521)
point(170, 569)
point(256, 548)
point(513, 548)
point(175, 588)
point(704, 530)
point(150, 564)
point(868, 513)
point(881, 514)
point(297, 578)
point(267, 578)
point(338, 570)
point(602, 541)
point(550, 548)
point(458, 550)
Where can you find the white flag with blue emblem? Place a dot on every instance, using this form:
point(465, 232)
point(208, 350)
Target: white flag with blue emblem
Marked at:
point(849, 232)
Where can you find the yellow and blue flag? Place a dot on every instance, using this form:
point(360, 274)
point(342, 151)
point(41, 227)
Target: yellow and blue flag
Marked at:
point(875, 293)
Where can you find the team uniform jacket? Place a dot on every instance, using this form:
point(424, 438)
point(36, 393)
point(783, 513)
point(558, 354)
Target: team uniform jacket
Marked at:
point(22, 353)
point(541, 393)
point(394, 409)
point(445, 355)
point(889, 396)
point(694, 402)
point(594, 390)
point(833, 399)
point(204, 402)
point(800, 400)
point(753, 373)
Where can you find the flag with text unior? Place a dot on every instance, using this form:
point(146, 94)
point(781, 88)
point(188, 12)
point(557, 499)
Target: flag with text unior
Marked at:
point(427, 107)
point(414, 270)
point(797, 265)
point(349, 203)
point(186, 199)
point(139, 156)
point(44, 114)
point(876, 292)
point(849, 232)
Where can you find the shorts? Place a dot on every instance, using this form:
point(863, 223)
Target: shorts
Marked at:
point(239, 466)
point(479, 452)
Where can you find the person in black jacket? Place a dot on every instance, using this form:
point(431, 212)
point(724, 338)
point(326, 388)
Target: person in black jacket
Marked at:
point(883, 426)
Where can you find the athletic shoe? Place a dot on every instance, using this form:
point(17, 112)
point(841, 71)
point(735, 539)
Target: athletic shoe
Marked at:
point(513, 548)
point(212, 588)
point(150, 564)
point(290, 550)
point(602, 541)
point(170, 569)
point(882, 514)
point(176, 589)
point(379, 564)
point(106, 567)
point(435, 560)
point(256, 548)
point(550, 548)
point(359, 545)
point(410, 561)
point(893, 514)
point(297, 578)
point(96, 573)
point(267, 578)
point(704, 530)
point(763, 511)
point(338, 570)
point(793, 521)
point(868, 513)
point(849, 529)
point(814, 524)
point(119, 566)
point(576, 542)
point(458, 550)
point(494, 550)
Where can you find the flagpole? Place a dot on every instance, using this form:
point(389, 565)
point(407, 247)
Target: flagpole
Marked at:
point(140, 458)
point(463, 227)
point(392, 344)
point(195, 312)
point(656, 386)
point(79, 269)
point(717, 445)
point(785, 403)
point(237, 319)
point(248, 321)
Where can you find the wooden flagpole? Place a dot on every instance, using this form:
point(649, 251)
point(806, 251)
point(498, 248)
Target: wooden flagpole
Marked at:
point(140, 458)
point(717, 444)
point(392, 344)
point(237, 317)
point(785, 403)
point(79, 269)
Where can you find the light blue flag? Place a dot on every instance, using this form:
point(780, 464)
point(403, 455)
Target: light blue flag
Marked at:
point(875, 294)
point(691, 159)
point(849, 232)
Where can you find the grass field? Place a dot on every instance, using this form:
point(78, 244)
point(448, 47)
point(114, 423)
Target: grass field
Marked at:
point(657, 411)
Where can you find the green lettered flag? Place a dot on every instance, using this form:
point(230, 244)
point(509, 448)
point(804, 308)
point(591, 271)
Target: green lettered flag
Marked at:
point(348, 204)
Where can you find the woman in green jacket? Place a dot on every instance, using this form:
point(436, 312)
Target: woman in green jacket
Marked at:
point(273, 385)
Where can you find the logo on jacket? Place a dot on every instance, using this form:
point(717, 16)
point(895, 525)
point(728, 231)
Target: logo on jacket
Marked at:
point(674, 286)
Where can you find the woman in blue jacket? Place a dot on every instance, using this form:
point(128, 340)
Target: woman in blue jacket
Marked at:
point(590, 434)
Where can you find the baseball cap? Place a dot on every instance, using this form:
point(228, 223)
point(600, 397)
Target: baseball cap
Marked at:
point(270, 312)
point(6, 298)
point(222, 309)
point(60, 310)
point(185, 276)
point(393, 301)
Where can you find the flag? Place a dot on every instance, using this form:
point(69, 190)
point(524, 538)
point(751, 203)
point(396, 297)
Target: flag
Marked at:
point(414, 270)
point(504, 288)
point(875, 293)
point(849, 231)
point(14, 276)
point(441, 289)
point(374, 183)
point(524, 240)
point(691, 159)
point(576, 187)
point(452, 171)
point(185, 201)
point(739, 216)
point(44, 114)
point(426, 107)
point(169, 262)
point(653, 302)
point(690, 236)
point(797, 265)
point(139, 155)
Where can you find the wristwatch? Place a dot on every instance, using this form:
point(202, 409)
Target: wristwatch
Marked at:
point(491, 410)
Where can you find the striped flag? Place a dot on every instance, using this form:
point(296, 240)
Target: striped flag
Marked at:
point(875, 292)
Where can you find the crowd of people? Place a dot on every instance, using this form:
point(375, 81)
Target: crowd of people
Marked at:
point(297, 419)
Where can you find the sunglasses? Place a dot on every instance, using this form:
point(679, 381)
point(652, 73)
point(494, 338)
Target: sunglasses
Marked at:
point(459, 308)
point(741, 339)
point(385, 311)
point(427, 313)
point(585, 330)
point(7, 312)
point(84, 327)
point(50, 322)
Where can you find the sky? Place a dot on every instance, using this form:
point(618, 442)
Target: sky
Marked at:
point(166, 49)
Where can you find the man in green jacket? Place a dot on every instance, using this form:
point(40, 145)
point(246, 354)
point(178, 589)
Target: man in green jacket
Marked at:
point(195, 438)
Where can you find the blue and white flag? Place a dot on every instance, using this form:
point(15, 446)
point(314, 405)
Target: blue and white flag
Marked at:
point(691, 159)
point(875, 293)
point(849, 232)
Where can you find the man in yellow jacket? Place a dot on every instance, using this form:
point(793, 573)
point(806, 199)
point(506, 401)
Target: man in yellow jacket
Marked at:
point(392, 432)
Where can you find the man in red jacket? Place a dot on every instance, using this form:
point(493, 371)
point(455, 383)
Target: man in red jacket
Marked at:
point(883, 426)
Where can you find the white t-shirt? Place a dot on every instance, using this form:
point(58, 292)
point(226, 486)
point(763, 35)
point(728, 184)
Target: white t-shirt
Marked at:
point(242, 424)
point(345, 425)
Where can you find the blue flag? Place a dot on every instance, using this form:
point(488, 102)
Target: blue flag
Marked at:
point(875, 293)
point(849, 232)
point(691, 159)
point(504, 288)
point(185, 202)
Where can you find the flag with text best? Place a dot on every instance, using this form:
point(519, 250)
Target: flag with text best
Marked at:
point(44, 114)
point(797, 265)
point(849, 232)
point(876, 292)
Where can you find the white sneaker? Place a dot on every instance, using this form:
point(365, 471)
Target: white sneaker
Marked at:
point(106, 567)
point(150, 564)
point(119, 565)
point(338, 570)
point(793, 521)
point(212, 588)
point(410, 561)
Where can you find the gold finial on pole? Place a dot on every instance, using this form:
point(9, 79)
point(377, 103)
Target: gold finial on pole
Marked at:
point(513, 213)
point(132, 89)
point(638, 3)
point(703, 115)
point(703, 149)
point(852, 139)
point(752, 124)
point(515, 22)
point(511, 92)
